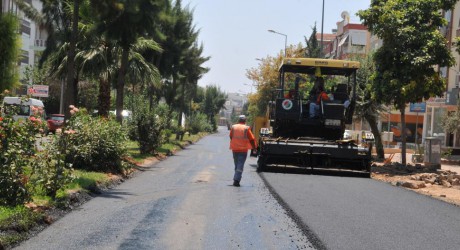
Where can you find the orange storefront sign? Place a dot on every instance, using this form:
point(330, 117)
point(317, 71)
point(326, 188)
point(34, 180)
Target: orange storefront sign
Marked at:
point(397, 118)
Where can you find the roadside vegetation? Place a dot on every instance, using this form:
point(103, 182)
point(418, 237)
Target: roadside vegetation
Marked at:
point(147, 61)
point(89, 154)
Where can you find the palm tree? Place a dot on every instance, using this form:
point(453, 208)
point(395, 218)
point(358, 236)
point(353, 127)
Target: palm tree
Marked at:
point(124, 22)
point(193, 71)
point(181, 61)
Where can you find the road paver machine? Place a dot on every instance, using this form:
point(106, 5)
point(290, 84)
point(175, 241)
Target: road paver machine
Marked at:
point(293, 137)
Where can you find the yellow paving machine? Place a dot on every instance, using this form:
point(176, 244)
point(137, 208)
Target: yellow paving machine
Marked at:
point(295, 134)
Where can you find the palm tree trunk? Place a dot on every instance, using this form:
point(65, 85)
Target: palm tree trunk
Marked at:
point(75, 87)
point(403, 134)
point(121, 83)
point(377, 136)
point(71, 61)
point(104, 97)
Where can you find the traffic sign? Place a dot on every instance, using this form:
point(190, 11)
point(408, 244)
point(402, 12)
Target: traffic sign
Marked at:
point(418, 107)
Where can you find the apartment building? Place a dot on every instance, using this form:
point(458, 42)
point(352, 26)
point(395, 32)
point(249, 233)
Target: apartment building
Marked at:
point(349, 39)
point(439, 106)
point(33, 37)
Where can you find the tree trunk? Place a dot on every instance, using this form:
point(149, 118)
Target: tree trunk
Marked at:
point(70, 89)
point(104, 97)
point(403, 134)
point(75, 88)
point(377, 136)
point(181, 110)
point(121, 83)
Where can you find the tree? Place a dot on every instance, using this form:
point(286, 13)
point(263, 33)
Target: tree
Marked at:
point(313, 49)
point(9, 51)
point(181, 60)
point(192, 72)
point(125, 21)
point(266, 77)
point(367, 106)
point(71, 79)
point(214, 101)
point(412, 48)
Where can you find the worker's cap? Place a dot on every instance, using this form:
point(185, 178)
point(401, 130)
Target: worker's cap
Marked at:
point(242, 118)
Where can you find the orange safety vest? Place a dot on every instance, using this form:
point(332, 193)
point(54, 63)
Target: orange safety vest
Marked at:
point(240, 137)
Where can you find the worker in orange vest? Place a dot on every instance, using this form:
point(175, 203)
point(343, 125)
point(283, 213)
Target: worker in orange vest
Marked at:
point(320, 96)
point(241, 140)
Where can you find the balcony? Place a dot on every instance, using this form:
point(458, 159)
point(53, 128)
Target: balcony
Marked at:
point(39, 45)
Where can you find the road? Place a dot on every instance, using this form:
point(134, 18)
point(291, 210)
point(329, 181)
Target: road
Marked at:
point(184, 202)
point(187, 202)
point(359, 213)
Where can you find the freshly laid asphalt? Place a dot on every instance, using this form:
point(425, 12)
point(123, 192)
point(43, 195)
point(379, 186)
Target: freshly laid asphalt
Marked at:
point(360, 213)
point(187, 202)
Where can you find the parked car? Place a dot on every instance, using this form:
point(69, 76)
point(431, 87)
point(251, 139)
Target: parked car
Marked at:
point(127, 114)
point(26, 107)
point(55, 121)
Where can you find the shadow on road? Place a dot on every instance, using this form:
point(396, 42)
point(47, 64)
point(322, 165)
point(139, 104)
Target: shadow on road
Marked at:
point(316, 171)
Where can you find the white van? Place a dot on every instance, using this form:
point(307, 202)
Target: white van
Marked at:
point(25, 106)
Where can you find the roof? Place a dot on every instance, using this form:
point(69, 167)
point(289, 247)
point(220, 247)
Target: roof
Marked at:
point(19, 100)
point(327, 66)
point(326, 37)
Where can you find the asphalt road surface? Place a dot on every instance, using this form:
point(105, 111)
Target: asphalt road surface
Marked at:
point(187, 202)
point(184, 202)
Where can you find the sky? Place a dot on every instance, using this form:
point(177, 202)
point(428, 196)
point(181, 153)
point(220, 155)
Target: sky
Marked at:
point(235, 32)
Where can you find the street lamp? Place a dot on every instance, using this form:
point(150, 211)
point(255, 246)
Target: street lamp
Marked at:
point(250, 85)
point(322, 25)
point(285, 39)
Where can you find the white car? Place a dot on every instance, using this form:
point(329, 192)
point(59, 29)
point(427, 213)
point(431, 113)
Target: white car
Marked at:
point(125, 113)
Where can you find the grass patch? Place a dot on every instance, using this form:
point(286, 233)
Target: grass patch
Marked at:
point(13, 238)
point(171, 146)
point(87, 180)
point(18, 218)
point(133, 150)
point(17, 221)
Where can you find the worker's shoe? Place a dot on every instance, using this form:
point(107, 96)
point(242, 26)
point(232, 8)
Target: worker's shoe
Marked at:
point(236, 183)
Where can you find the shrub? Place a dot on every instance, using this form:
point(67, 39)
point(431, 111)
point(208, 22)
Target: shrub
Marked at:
point(94, 143)
point(150, 126)
point(50, 172)
point(198, 122)
point(16, 147)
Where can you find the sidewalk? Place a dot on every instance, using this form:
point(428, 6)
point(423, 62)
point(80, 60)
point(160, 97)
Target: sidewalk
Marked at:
point(452, 164)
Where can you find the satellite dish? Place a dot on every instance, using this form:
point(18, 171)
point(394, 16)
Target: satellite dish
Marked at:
point(345, 15)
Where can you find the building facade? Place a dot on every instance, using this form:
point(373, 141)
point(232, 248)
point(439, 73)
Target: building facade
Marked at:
point(349, 39)
point(33, 37)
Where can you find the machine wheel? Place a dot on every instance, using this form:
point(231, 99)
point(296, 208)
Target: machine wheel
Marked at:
point(368, 169)
point(261, 165)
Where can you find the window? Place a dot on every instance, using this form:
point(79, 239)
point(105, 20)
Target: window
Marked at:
point(24, 56)
point(25, 27)
point(19, 109)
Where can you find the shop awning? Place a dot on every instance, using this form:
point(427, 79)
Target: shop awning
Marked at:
point(344, 39)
